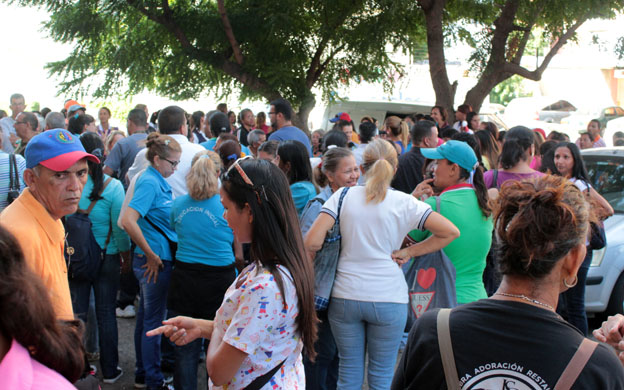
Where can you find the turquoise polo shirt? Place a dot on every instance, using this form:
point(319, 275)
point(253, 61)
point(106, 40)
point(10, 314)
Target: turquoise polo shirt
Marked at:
point(204, 235)
point(153, 198)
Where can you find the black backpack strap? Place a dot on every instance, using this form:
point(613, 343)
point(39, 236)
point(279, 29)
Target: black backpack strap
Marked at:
point(494, 179)
point(14, 184)
point(262, 380)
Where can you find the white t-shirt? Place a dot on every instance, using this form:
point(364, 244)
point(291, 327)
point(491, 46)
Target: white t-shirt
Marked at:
point(370, 232)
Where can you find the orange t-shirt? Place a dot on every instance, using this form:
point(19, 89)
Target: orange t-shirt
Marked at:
point(42, 240)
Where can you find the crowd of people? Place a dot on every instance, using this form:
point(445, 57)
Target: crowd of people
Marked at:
point(218, 229)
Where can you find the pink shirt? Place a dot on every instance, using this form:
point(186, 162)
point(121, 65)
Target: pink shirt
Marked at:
point(19, 371)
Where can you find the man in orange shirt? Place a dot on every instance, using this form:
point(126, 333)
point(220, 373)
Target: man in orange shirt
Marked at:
point(56, 171)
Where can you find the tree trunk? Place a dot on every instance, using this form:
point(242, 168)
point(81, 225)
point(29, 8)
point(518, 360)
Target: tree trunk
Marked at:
point(444, 90)
point(301, 117)
point(482, 89)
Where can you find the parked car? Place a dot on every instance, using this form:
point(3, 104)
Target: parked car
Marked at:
point(378, 110)
point(579, 120)
point(604, 294)
point(554, 112)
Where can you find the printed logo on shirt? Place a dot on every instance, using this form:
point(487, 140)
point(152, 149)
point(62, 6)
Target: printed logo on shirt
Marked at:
point(420, 302)
point(503, 376)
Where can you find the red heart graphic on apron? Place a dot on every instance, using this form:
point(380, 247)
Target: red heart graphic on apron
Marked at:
point(426, 277)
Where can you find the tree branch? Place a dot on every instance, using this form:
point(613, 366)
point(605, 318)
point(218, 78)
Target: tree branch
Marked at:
point(527, 35)
point(311, 74)
point(229, 33)
point(321, 68)
point(166, 20)
point(536, 75)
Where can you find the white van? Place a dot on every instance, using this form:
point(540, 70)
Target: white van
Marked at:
point(378, 110)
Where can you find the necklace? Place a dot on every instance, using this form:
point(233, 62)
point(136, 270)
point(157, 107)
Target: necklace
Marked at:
point(524, 297)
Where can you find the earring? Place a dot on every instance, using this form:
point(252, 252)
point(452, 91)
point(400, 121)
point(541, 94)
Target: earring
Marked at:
point(565, 282)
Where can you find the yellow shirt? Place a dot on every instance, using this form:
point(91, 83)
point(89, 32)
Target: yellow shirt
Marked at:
point(42, 240)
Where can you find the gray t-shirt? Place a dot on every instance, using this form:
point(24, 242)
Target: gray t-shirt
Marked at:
point(120, 159)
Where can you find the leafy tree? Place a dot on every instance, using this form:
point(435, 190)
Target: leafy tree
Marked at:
point(262, 49)
point(505, 30)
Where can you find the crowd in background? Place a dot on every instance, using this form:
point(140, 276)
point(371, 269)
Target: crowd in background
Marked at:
point(214, 220)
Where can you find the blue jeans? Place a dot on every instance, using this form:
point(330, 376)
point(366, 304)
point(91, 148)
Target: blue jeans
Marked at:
point(323, 373)
point(186, 361)
point(152, 311)
point(358, 325)
point(105, 290)
point(572, 301)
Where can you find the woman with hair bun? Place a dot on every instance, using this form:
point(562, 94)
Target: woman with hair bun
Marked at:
point(147, 222)
point(229, 151)
point(36, 350)
point(515, 338)
point(368, 305)
point(515, 158)
point(205, 260)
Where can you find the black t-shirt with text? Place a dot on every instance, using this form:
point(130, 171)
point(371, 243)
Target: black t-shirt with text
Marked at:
point(503, 345)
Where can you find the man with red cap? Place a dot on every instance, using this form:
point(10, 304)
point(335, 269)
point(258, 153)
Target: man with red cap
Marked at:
point(56, 171)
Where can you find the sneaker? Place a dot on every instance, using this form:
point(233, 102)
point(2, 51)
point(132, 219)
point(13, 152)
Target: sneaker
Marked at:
point(164, 386)
point(167, 379)
point(113, 379)
point(127, 312)
point(92, 369)
point(139, 382)
point(93, 356)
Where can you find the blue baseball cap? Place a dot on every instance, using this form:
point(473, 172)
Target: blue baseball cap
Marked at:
point(341, 116)
point(457, 152)
point(56, 149)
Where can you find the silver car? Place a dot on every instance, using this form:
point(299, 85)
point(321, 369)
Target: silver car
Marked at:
point(605, 281)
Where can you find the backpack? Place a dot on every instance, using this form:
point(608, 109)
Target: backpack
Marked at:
point(82, 253)
point(14, 184)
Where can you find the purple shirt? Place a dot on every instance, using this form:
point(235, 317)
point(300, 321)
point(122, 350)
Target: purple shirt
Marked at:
point(503, 176)
point(21, 372)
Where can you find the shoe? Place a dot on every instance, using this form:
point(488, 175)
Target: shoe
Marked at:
point(93, 356)
point(93, 369)
point(163, 386)
point(168, 379)
point(118, 374)
point(127, 312)
point(139, 382)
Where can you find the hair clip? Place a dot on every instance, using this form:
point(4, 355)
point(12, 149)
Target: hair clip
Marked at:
point(232, 157)
point(332, 146)
point(76, 116)
point(167, 142)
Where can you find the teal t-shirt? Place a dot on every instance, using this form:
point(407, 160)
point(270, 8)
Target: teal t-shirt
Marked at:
point(467, 252)
point(153, 198)
point(302, 193)
point(104, 215)
point(204, 236)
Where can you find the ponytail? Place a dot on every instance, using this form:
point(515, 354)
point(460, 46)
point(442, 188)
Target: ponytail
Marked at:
point(480, 189)
point(517, 141)
point(201, 180)
point(380, 161)
point(404, 133)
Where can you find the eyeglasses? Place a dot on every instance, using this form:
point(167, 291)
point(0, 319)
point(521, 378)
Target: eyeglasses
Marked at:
point(173, 163)
point(272, 113)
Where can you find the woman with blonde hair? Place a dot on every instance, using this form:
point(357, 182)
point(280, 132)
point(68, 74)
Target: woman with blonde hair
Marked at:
point(368, 305)
point(398, 133)
point(204, 259)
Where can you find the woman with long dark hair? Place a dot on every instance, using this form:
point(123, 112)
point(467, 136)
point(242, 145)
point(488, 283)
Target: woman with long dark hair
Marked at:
point(108, 195)
point(267, 315)
point(568, 163)
point(293, 160)
point(36, 350)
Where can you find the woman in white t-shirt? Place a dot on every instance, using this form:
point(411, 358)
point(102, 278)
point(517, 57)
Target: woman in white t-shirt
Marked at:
point(267, 315)
point(368, 306)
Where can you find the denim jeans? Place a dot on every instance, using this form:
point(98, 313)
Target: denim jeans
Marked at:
point(152, 311)
point(358, 325)
point(572, 301)
point(105, 290)
point(92, 343)
point(323, 373)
